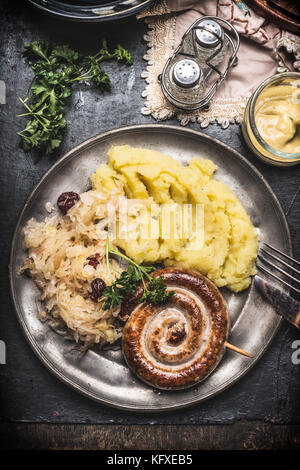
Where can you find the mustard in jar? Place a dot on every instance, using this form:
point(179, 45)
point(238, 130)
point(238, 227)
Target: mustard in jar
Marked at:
point(271, 124)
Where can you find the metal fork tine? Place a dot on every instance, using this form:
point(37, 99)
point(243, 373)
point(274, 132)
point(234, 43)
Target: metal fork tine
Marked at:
point(280, 261)
point(272, 265)
point(282, 254)
point(264, 270)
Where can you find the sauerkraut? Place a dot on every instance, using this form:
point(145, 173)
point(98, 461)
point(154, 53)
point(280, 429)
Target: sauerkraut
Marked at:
point(59, 251)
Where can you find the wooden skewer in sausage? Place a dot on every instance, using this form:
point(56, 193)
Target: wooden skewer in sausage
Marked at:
point(238, 350)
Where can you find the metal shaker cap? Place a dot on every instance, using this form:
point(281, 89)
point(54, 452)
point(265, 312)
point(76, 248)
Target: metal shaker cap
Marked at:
point(206, 39)
point(186, 73)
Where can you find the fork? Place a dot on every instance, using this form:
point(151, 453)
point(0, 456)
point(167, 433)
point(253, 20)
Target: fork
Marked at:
point(267, 254)
point(271, 259)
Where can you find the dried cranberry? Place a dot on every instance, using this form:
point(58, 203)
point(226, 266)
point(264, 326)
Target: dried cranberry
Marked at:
point(67, 200)
point(94, 296)
point(93, 261)
point(98, 286)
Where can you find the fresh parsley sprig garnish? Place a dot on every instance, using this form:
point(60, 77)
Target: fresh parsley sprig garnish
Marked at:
point(154, 291)
point(56, 69)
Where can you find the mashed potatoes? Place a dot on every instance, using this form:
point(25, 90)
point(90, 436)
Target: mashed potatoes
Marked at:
point(223, 247)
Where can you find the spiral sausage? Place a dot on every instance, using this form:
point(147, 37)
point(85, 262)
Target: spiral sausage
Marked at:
point(175, 345)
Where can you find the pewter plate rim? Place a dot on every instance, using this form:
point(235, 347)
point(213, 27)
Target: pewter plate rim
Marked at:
point(72, 154)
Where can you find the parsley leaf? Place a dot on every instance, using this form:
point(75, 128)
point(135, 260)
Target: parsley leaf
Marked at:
point(36, 50)
point(56, 68)
point(129, 280)
point(156, 294)
point(66, 53)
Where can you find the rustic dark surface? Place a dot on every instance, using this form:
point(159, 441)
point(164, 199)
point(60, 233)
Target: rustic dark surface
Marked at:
point(29, 392)
point(242, 435)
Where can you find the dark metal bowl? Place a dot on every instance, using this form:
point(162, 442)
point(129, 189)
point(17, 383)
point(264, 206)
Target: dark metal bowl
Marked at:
point(91, 10)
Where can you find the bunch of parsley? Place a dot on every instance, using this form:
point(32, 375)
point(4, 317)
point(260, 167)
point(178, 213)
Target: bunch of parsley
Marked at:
point(155, 292)
point(55, 70)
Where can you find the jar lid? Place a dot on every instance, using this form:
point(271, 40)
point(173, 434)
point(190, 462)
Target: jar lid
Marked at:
point(186, 73)
point(204, 37)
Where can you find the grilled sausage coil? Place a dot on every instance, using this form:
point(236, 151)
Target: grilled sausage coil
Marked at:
point(176, 345)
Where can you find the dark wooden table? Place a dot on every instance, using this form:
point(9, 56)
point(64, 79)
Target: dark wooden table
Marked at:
point(262, 411)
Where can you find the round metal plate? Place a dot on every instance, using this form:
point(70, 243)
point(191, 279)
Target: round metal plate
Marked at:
point(104, 376)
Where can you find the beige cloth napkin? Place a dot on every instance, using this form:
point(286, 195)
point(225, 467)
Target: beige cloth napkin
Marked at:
point(258, 57)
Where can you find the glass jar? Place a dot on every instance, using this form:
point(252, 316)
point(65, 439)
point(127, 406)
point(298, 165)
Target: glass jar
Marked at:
point(271, 125)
